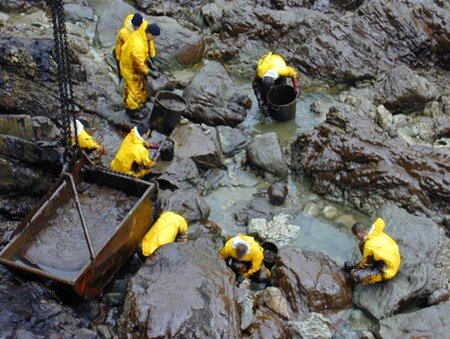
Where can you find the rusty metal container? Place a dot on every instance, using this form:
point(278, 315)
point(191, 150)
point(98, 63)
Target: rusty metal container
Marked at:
point(111, 249)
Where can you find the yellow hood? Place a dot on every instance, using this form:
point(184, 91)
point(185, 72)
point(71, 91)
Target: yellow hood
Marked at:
point(377, 227)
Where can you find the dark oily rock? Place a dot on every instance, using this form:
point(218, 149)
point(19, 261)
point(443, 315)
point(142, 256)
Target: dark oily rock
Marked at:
point(161, 84)
point(418, 275)
point(442, 127)
point(202, 293)
point(311, 281)
point(110, 21)
point(6, 230)
point(32, 308)
point(181, 173)
point(279, 230)
point(16, 125)
point(311, 325)
point(18, 6)
point(265, 325)
point(246, 300)
point(24, 180)
point(177, 47)
point(350, 160)
point(277, 193)
point(231, 139)
point(200, 143)
point(76, 12)
point(264, 152)
point(30, 152)
point(438, 296)
point(275, 300)
point(430, 322)
point(199, 229)
point(186, 202)
point(403, 90)
point(16, 207)
point(214, 98)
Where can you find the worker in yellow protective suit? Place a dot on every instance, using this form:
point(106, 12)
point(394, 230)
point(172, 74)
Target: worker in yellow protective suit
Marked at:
point(85, 141)
point(133, 157)
point(272, 70)
point(166, 229)
point(246, 258)
point(134, 67)
point(381, 255)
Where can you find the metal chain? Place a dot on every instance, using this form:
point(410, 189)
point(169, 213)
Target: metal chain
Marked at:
point(63, 74)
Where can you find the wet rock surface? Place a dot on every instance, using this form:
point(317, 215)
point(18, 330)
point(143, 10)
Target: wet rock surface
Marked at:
point(279, 230)
point(186, 201)
point(200, 292)
point(214, 99)
point(180, 173)
point(350, 159)
point(264, 152)
point(311, 325)
point(418, 276)
point(311, 281)
point(430, 322)
point(61, 245)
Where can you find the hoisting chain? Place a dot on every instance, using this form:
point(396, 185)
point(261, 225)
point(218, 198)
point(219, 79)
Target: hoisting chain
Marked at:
point(63, 75)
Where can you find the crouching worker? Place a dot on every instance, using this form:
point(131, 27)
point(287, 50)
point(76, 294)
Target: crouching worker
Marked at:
point(133, 157)
point(381, 255)
point(85, 141)
point(166, 229)
point(246, 259)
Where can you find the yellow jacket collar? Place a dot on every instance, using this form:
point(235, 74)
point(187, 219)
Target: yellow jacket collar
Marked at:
point(238, 240)
point(142, 28)
point(136, 138)
point(377, 228)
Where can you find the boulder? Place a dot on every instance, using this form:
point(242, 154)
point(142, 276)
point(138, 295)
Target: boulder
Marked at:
point(277, 193)
point(264, 152)
point(430, 322)
point(202, 298)
point(200, 143)
point(231, 139)
point(403, 90)
point(181, 173)
point(30, 310)
point(418, 277)
point(274, 299)
point(265, 325)
point(110, 21)
point(311, 281)
point(188, 202)
point(177, 47)
point(311, 325)
point(352, 161)
point(214, 99)
point(76, 13)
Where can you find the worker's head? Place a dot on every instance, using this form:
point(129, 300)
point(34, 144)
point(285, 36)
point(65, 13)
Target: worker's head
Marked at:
point(241, 250)
point(153, 31)
point(80, 127)
point(268, 79)
point(136, 21)
point(143, 130)
point(360, 230)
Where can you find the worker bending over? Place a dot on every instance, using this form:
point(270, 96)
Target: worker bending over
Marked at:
point(246, 258)
point(166, 229)
point(134, 67)
point(272, 70)
point(133, 157)
point(381, 255)
point(85, 141)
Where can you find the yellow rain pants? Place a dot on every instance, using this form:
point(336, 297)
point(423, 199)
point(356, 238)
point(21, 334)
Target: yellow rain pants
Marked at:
point(164, 231)
point(132, 157)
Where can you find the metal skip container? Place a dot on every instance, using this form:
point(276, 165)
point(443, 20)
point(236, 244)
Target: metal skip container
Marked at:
point(51, 242)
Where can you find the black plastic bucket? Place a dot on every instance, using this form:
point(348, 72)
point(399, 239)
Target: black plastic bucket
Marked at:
point(270, 253)
point(167, 111)
point(282, 102)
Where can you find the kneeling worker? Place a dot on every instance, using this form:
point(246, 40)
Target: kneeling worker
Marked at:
point(247, 258)
point(381, 255)
point(272, 70)
point(133, 157)
point(85, 141)
point(166, 229)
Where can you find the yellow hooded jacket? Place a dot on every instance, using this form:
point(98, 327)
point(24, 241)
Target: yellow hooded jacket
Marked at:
point(132, 152)
point(276, 62)
point(135, 53)
point(164, 231)
point(123, 35)
point(381, 247)
point(85, 141)
point(255, 255)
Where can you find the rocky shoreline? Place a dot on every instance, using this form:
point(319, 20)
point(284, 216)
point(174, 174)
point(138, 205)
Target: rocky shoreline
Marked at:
point(382, 147)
